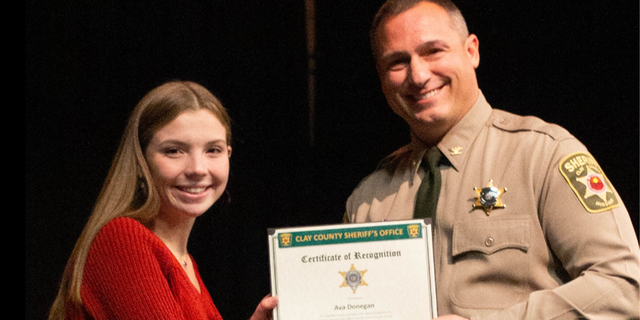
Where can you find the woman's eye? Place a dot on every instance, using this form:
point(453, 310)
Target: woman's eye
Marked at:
point(171, 151)
point(215, 150)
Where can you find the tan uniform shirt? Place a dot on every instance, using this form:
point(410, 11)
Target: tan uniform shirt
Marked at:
point(542, 256)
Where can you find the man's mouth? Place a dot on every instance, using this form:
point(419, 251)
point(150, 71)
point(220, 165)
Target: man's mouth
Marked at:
point(426, 95)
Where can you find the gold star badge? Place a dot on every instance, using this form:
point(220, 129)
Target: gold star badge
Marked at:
point(353, 278)
point(489, 198)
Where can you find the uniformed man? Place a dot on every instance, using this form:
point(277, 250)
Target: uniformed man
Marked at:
point(527, 226)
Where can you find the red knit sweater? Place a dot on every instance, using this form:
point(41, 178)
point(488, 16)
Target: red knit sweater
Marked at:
point(131, 274)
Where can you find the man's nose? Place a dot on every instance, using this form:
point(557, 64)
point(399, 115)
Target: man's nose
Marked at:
point(419, 72)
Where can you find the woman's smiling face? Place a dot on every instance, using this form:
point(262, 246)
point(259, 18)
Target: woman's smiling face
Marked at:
point(189, 162)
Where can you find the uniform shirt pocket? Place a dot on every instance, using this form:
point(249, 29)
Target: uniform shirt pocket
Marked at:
point(490, 262)
point(490, 236)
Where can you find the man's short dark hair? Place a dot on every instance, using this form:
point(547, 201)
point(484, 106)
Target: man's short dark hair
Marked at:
point(395, 7)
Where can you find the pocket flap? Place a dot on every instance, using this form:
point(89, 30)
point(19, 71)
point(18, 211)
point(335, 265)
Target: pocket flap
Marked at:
point(489, 236)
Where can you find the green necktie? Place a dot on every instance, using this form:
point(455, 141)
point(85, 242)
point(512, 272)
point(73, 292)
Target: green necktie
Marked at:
point(429, 191)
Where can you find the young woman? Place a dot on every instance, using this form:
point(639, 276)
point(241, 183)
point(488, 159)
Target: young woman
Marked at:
point(131, 260)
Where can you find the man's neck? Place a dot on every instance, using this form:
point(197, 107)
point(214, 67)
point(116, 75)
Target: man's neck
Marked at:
point(431, 134)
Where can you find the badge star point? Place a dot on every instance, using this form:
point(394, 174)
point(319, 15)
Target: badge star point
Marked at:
point(489, 198)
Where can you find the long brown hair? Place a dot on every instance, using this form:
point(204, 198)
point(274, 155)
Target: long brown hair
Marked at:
point(128, 190)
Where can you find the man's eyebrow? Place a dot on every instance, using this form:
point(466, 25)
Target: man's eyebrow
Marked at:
point(394, 55)
point(431, 44)
point(421, 48)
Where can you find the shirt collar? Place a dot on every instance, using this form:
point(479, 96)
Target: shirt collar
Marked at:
point(458, 140)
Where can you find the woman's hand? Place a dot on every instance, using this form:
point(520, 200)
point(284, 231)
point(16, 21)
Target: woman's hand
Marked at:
point(264, 311)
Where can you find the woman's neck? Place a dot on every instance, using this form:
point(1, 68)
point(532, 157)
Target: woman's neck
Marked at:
point(174, 233)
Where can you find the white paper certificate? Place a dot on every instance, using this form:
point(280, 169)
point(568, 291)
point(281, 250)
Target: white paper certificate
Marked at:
point(379, 270)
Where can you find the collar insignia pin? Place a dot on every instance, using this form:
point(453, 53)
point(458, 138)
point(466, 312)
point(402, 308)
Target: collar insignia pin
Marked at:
point(489, 198)
point(455, 151)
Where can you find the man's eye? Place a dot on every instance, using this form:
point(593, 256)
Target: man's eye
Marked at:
point(397, 66)
point(434, 52)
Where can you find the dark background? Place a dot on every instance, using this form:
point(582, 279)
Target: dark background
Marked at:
point(89, 62)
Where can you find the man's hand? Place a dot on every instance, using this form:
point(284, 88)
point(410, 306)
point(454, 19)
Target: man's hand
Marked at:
point(264, 311)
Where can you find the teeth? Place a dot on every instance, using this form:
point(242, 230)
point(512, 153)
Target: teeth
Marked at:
point(194, 190)
point(429, 94)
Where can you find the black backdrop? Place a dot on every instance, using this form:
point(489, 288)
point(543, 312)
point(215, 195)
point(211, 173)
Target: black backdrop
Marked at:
point(89, 62)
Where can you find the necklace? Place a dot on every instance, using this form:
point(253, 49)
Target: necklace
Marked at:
point(182, 262)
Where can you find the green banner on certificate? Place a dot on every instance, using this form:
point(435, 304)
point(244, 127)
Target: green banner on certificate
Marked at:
point(349, 235)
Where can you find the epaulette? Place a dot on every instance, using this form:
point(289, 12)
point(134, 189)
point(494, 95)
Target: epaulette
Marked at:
point(394, 160)
point(507, 121)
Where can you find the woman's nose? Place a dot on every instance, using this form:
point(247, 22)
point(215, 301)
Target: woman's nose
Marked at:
point(197, 165)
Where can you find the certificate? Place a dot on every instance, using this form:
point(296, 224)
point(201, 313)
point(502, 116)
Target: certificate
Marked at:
point(377, 270)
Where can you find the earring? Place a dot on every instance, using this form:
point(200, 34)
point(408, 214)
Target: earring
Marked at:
point(140, 194)
point(142, 183)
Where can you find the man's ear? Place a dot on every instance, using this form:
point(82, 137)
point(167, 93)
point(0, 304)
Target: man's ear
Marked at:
point(472, 47)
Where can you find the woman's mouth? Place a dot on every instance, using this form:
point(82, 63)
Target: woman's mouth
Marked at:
point(193, 190)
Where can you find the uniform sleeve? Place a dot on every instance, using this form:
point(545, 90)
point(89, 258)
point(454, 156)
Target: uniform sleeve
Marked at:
point(123, 278)
point(590, 232)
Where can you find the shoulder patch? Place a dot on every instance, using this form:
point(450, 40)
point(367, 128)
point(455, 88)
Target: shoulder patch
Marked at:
point(586, 179)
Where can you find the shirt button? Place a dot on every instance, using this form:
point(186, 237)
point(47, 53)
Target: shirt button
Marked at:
point(488, 242)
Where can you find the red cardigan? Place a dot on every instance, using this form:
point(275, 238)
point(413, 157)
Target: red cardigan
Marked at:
point(131, 274)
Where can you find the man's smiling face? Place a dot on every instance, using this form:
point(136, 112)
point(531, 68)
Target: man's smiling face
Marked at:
point(427, 68)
